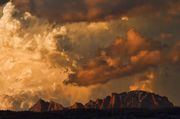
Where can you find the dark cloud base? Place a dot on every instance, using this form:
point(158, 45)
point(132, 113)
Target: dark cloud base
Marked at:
point(92, 10)
point(3, 2)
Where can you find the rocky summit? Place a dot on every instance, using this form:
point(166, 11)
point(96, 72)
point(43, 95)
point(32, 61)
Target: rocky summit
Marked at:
point(133, 99)
point(43, 106)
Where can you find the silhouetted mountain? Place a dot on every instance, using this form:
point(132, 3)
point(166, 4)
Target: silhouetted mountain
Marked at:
point(55, 106)
point(77, 106)
point(91, 105)
point(43, 106)
point(133, 99)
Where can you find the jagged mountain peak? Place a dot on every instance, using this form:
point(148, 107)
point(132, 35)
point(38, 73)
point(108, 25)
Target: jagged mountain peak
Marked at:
point(132, 99)
point(43, 106)
point(77, 105)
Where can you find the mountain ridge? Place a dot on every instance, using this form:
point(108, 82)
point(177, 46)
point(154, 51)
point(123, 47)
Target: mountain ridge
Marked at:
point(132, 99)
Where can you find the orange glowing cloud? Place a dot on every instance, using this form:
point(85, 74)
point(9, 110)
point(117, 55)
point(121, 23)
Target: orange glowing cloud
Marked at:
point(145, 82)
point(122, 58)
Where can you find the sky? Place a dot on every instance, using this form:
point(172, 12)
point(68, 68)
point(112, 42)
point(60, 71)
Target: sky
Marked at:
point(71, 51)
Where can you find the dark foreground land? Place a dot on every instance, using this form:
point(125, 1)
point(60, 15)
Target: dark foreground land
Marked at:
point(173, 113)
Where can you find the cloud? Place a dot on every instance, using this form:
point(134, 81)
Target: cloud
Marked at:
point(3, 1)
point(123, 58)
point(174, 55)
point(36, 56)
point(144, 82)
point(91, 10)
point(34, 62)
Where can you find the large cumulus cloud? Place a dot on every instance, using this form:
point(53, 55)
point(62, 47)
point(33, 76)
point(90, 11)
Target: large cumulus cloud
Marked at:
point(123, 58)
point(37, 56)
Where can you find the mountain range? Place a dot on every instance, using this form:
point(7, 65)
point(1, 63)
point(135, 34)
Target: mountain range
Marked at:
point(132, 99)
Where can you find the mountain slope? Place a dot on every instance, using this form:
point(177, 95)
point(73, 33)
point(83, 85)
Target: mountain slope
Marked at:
point(77, 106)
point(43, 106)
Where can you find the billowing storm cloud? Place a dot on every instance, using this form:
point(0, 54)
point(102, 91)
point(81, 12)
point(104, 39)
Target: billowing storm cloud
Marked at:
point(93, 44)
point(123, 58)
